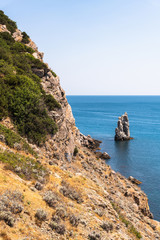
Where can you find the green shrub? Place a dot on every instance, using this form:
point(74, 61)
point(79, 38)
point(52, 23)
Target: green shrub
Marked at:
point(127, 223)
point(4, 20)
point(7, 37)
point(11, 138)
point(53, 73)
point(135, 232)
point(25, 38)
point(34, 62)
point(20, 47)
point(22, 97)
point(27, 168)
point(75, 151)
point(51, 102)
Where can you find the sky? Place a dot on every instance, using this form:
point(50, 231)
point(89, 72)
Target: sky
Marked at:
point(96, 47)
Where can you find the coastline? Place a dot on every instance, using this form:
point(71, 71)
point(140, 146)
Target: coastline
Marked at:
point(139, 157)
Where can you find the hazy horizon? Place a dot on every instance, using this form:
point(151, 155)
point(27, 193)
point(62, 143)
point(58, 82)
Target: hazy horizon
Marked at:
point(96, 47)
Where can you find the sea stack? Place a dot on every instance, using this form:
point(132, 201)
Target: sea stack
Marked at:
point(122, 132)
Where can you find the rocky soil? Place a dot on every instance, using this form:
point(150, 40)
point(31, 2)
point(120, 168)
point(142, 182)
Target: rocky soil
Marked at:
point(77, 195)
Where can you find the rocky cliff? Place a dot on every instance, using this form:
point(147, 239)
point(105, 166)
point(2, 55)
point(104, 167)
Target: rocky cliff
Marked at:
point(60, 189)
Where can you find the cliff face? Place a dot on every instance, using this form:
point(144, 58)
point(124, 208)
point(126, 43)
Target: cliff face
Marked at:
point(60, 189)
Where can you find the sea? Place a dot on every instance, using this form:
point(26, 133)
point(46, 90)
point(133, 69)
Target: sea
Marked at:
point(98, 115)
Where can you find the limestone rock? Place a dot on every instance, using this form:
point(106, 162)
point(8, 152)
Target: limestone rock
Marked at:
point(3, 28)
point(17, 35)
point(89, 142)
point(104, 155)
point(2, 138)
point(134, 180)
point(38, 55)
point(122, 132)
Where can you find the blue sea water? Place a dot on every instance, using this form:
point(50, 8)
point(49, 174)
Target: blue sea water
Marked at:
point(140, 158)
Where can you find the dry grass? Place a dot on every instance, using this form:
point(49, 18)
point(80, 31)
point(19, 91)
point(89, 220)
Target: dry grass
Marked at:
point(4, 236)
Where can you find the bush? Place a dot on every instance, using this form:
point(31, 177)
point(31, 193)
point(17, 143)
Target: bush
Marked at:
point(53, 73)
point(4, 20)
point(74, 220)
point(51, 198)
point(25, 38)
point(41, 215)
point(25, 167)
point(135, 232)
point(12, 138)
point(18, 47)
point(94, 236)
point(51, 102)
point(59, 228)
point(60, 212)
point(7, 37)
point(75, 151)
point(107, 226)
point(10, 206)
point(70, 192)
point(22, 96)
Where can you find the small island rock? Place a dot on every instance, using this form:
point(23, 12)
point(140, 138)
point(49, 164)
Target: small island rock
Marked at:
point(122, 132)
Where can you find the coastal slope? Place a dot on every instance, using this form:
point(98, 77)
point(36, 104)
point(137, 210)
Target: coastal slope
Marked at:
point(52, 184)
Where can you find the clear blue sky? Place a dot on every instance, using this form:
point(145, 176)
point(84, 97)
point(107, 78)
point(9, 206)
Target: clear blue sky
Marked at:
point(95, 46)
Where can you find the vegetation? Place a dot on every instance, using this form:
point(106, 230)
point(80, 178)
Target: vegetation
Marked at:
point(11, 138)
point(53, 73)
point(27, 168)
point(135, 232)
point(75, 151)
point(128, 224)
point(25, 38)
point(51, 102)
point(22, 96)
point(4, 20)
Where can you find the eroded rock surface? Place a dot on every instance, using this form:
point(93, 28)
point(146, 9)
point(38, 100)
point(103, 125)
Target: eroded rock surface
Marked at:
point(122, 132)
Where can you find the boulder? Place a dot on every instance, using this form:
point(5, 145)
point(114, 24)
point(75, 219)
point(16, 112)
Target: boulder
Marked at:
point(2, 138)
point(17, 35)
point(3, 28)
point(122, 132)
point(89, 142)
point(105, 155)
point(134, 180)
point(101, 155)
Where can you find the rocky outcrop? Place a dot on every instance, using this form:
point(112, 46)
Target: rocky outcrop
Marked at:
point(3, 28)
point(134, 180)
point(36, 54)
point(89, 142)
point(17, 35)
point(122, 132)
point(104, 155)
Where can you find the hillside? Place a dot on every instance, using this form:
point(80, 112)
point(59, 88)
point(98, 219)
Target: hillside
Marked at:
point(52, 184)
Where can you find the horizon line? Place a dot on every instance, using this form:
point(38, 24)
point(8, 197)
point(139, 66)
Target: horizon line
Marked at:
point(114, 95)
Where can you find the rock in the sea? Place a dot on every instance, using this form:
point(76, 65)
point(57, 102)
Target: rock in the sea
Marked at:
point(101, 155)
point(122, 132)
point(134, 180)
point(89, 142)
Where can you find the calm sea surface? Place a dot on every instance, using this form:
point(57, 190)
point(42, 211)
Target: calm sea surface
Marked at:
point(140, 158)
